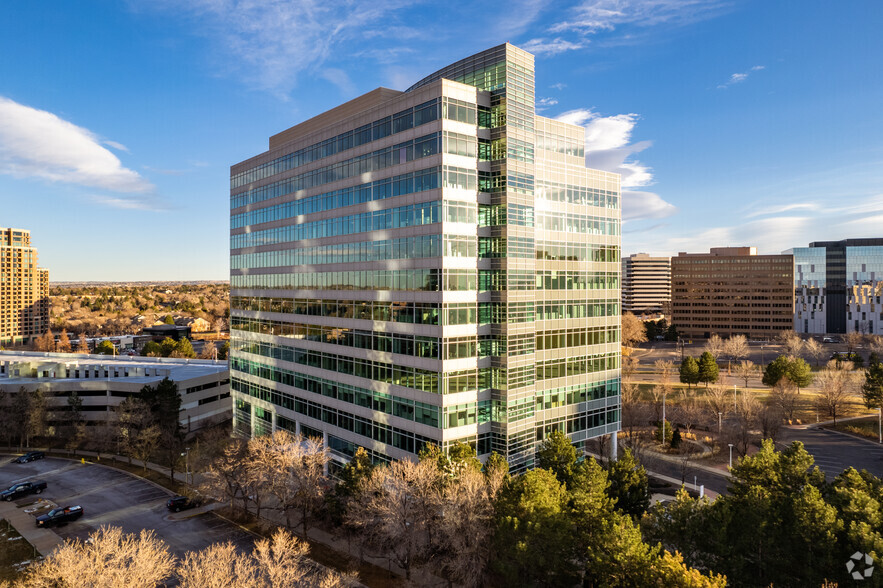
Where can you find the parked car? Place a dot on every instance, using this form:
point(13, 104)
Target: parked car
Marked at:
point(60, 516)
point(29, 456)
point(179, 503)
point(23, 489)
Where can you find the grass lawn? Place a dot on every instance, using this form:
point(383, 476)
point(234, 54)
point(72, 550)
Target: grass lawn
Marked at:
point(865, 428)
point(15, 553)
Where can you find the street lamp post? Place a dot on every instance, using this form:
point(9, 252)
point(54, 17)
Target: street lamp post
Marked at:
point(731, 455)
point(719, 423)
point(186, 455)
point(880, 424)
point(735, 407)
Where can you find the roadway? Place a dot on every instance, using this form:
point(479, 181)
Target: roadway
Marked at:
point(833, 452)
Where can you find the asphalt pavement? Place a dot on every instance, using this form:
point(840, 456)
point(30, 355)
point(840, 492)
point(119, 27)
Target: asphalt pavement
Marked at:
point(114, 497)
point(833, 452)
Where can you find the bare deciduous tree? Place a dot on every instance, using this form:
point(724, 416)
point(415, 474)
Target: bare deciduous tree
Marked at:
point(836, 384)
point(629, 366)
point(397, 511)
point(466, 528)
point(666, 368)
point(633, 331)
point(715, 346)
point(770, 421)
point(814, 350)
point(227, 478)
point(83, 344)
point(296, 468)
point(792, 343)
point(853, 340)
point(746, 422)
point(109, 558)
point(208, 351)
point(746, 370)
point(784, 396)
point(736, 348)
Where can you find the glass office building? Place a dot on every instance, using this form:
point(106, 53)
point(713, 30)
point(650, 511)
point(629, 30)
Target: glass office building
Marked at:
point(838, 287)
point(430, 266)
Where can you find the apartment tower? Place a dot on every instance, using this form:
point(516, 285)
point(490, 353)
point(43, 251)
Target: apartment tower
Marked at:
point(838, 286)
point(24, 289)
point(646, 284)
point(430, 266)
point(732, 291)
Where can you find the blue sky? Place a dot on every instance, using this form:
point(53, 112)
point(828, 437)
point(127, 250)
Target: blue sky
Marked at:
point(733, 123)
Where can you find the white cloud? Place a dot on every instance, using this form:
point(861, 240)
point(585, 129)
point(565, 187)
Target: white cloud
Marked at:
point(38, 144)
point(558, 86)
point(272, 42)
point(644, 205)
point(738, 78)
point(593, 16)
point(117, 146)
point(544, 103)
point(131, 202)
point(550, 46)
point(608, 148)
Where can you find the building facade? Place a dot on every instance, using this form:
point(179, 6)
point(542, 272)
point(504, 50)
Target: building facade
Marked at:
point(102, 383)
point(838, 287)
point(732, 291)
point(646, 284)
point(430, 266)
point(24, 289)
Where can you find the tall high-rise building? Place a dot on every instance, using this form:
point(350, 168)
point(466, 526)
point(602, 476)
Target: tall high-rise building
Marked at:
point(732, 291)
point(24, 289)
point(646, 284)
point(430, 266)
point(838, 287)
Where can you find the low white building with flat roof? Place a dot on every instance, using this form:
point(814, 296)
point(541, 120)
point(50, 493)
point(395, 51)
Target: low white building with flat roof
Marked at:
point(104, 382)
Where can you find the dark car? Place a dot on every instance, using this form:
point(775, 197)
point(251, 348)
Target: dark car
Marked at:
point(23, 489)
point(60, 516)
point(179, 503)
point(29, 456)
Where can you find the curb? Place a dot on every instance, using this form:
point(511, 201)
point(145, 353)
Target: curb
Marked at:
point(851, 436)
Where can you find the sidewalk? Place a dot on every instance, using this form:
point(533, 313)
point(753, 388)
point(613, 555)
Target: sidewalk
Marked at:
point(43, 540)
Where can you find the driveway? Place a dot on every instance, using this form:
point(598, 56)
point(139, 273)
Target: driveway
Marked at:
point(114, 497)
point(834, 452)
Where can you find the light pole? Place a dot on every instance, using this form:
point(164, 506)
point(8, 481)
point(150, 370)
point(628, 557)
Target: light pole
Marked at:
point(735, 408)
point(880, 424)
point(731, 455)
point(719, 423)
point(186, 455)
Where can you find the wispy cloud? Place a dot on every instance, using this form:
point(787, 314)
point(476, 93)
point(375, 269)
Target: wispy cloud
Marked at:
point(738, 78)
point(117, 146)
point(270, 43)
point(551, 46)
point(544, 103)
point(593, 16)
point(559, 86)
point(130, 202)
point(609, 147)
point(782, 227)
point(38, 144)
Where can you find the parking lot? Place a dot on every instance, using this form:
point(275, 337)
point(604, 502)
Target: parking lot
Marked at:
point(113, 497)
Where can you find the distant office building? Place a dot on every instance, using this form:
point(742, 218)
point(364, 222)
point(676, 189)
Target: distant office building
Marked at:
point(646, 284)
point(732, 291)
point(102, 383)
point(24, 289)
point(430, 266)
point(838, 287)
